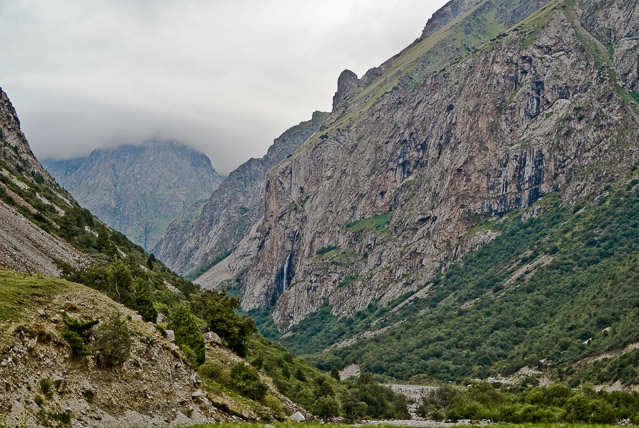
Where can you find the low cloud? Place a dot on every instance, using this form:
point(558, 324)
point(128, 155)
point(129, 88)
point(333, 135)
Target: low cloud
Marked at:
point(226, 76)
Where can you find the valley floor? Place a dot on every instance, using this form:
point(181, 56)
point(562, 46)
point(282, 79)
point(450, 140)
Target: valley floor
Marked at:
point(394, 424)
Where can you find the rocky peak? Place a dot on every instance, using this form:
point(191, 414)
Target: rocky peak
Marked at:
point(447, 14)
point(14, 148)
point(345, 83)
point(139, 189)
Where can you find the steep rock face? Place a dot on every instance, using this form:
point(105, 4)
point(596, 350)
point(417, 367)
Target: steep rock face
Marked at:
point(615, 24)
point(197, 239)
point(386, 200)
point(24, 246)
point(14, 148)
point(138, 190)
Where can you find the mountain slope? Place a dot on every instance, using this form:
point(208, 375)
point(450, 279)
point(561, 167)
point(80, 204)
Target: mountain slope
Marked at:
point(31, 205)
point(385, 196)
point(127, 348)
point(198, 239)
point(138, 190)
point(33, 350)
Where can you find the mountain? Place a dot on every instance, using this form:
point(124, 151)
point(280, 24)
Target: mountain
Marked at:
point(41, 225)
point(97, 351)
point(208, 232)
point(138, 189)
point(445, 179)
point(121, 340)
point(28, 196)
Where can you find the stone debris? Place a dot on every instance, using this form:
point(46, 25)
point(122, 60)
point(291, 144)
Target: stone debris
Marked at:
point(297, 417)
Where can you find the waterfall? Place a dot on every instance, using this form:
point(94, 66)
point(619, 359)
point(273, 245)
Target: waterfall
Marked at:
point(288, 260)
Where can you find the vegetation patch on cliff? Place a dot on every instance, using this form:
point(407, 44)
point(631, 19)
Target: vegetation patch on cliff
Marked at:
point(376, 224)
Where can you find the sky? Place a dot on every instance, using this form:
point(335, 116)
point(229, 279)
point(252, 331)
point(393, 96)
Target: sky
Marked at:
point(224, 76)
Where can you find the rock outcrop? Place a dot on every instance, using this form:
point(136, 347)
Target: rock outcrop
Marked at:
point(383, 196)
point(14, 148)
point(447, 14)
point(138, 189)
point(207, 233)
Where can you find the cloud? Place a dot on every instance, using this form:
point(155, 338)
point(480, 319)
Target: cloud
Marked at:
point(226, 76)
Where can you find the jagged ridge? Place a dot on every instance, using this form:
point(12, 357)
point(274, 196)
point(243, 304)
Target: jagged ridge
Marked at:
point(197, 239)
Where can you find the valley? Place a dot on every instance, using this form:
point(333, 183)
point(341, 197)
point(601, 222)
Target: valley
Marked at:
point(455, 242)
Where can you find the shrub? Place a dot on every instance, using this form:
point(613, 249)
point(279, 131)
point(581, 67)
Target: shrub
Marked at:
point(64, 417)
point(211, 371)
point(326, 408)
point(38, 400)
point(76, 342)
point(218, 310)
point(246, 381)
point(46, 387)
point(113, 341)
point(188, 335)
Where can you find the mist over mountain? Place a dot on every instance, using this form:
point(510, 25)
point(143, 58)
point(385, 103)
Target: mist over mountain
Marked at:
point(138, 189)
point(463, 225)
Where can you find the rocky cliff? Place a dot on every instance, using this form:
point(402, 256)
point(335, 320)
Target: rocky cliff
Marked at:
point(208, 233)
point(383, 196)
point(28, 194)
point(14, 148)
point(138, 189)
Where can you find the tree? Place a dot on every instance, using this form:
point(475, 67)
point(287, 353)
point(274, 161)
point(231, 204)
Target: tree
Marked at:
point(140, 300)
point(149, 261)
point(113, 341)
point(353, 408)
point(77, 334)
point(258, 362)
point(326, 408)
point(188, 335)
point(119, 279)
point(218, 310)
point(335, 373)
point(247, 381)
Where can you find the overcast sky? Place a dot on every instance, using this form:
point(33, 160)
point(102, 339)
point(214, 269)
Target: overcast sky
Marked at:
point(225, 76)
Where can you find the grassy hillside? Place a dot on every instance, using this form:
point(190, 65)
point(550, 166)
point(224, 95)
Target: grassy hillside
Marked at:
point(556, 286)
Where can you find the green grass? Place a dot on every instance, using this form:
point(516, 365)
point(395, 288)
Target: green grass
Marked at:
point(376, 224)
point(325, 250)
point(330, 425)
point(349, 280)
point(19, 292)
point(635, 95)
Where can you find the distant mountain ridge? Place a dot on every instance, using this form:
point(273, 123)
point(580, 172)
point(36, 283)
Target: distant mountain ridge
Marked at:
point(207, 233)
point(138, 189)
